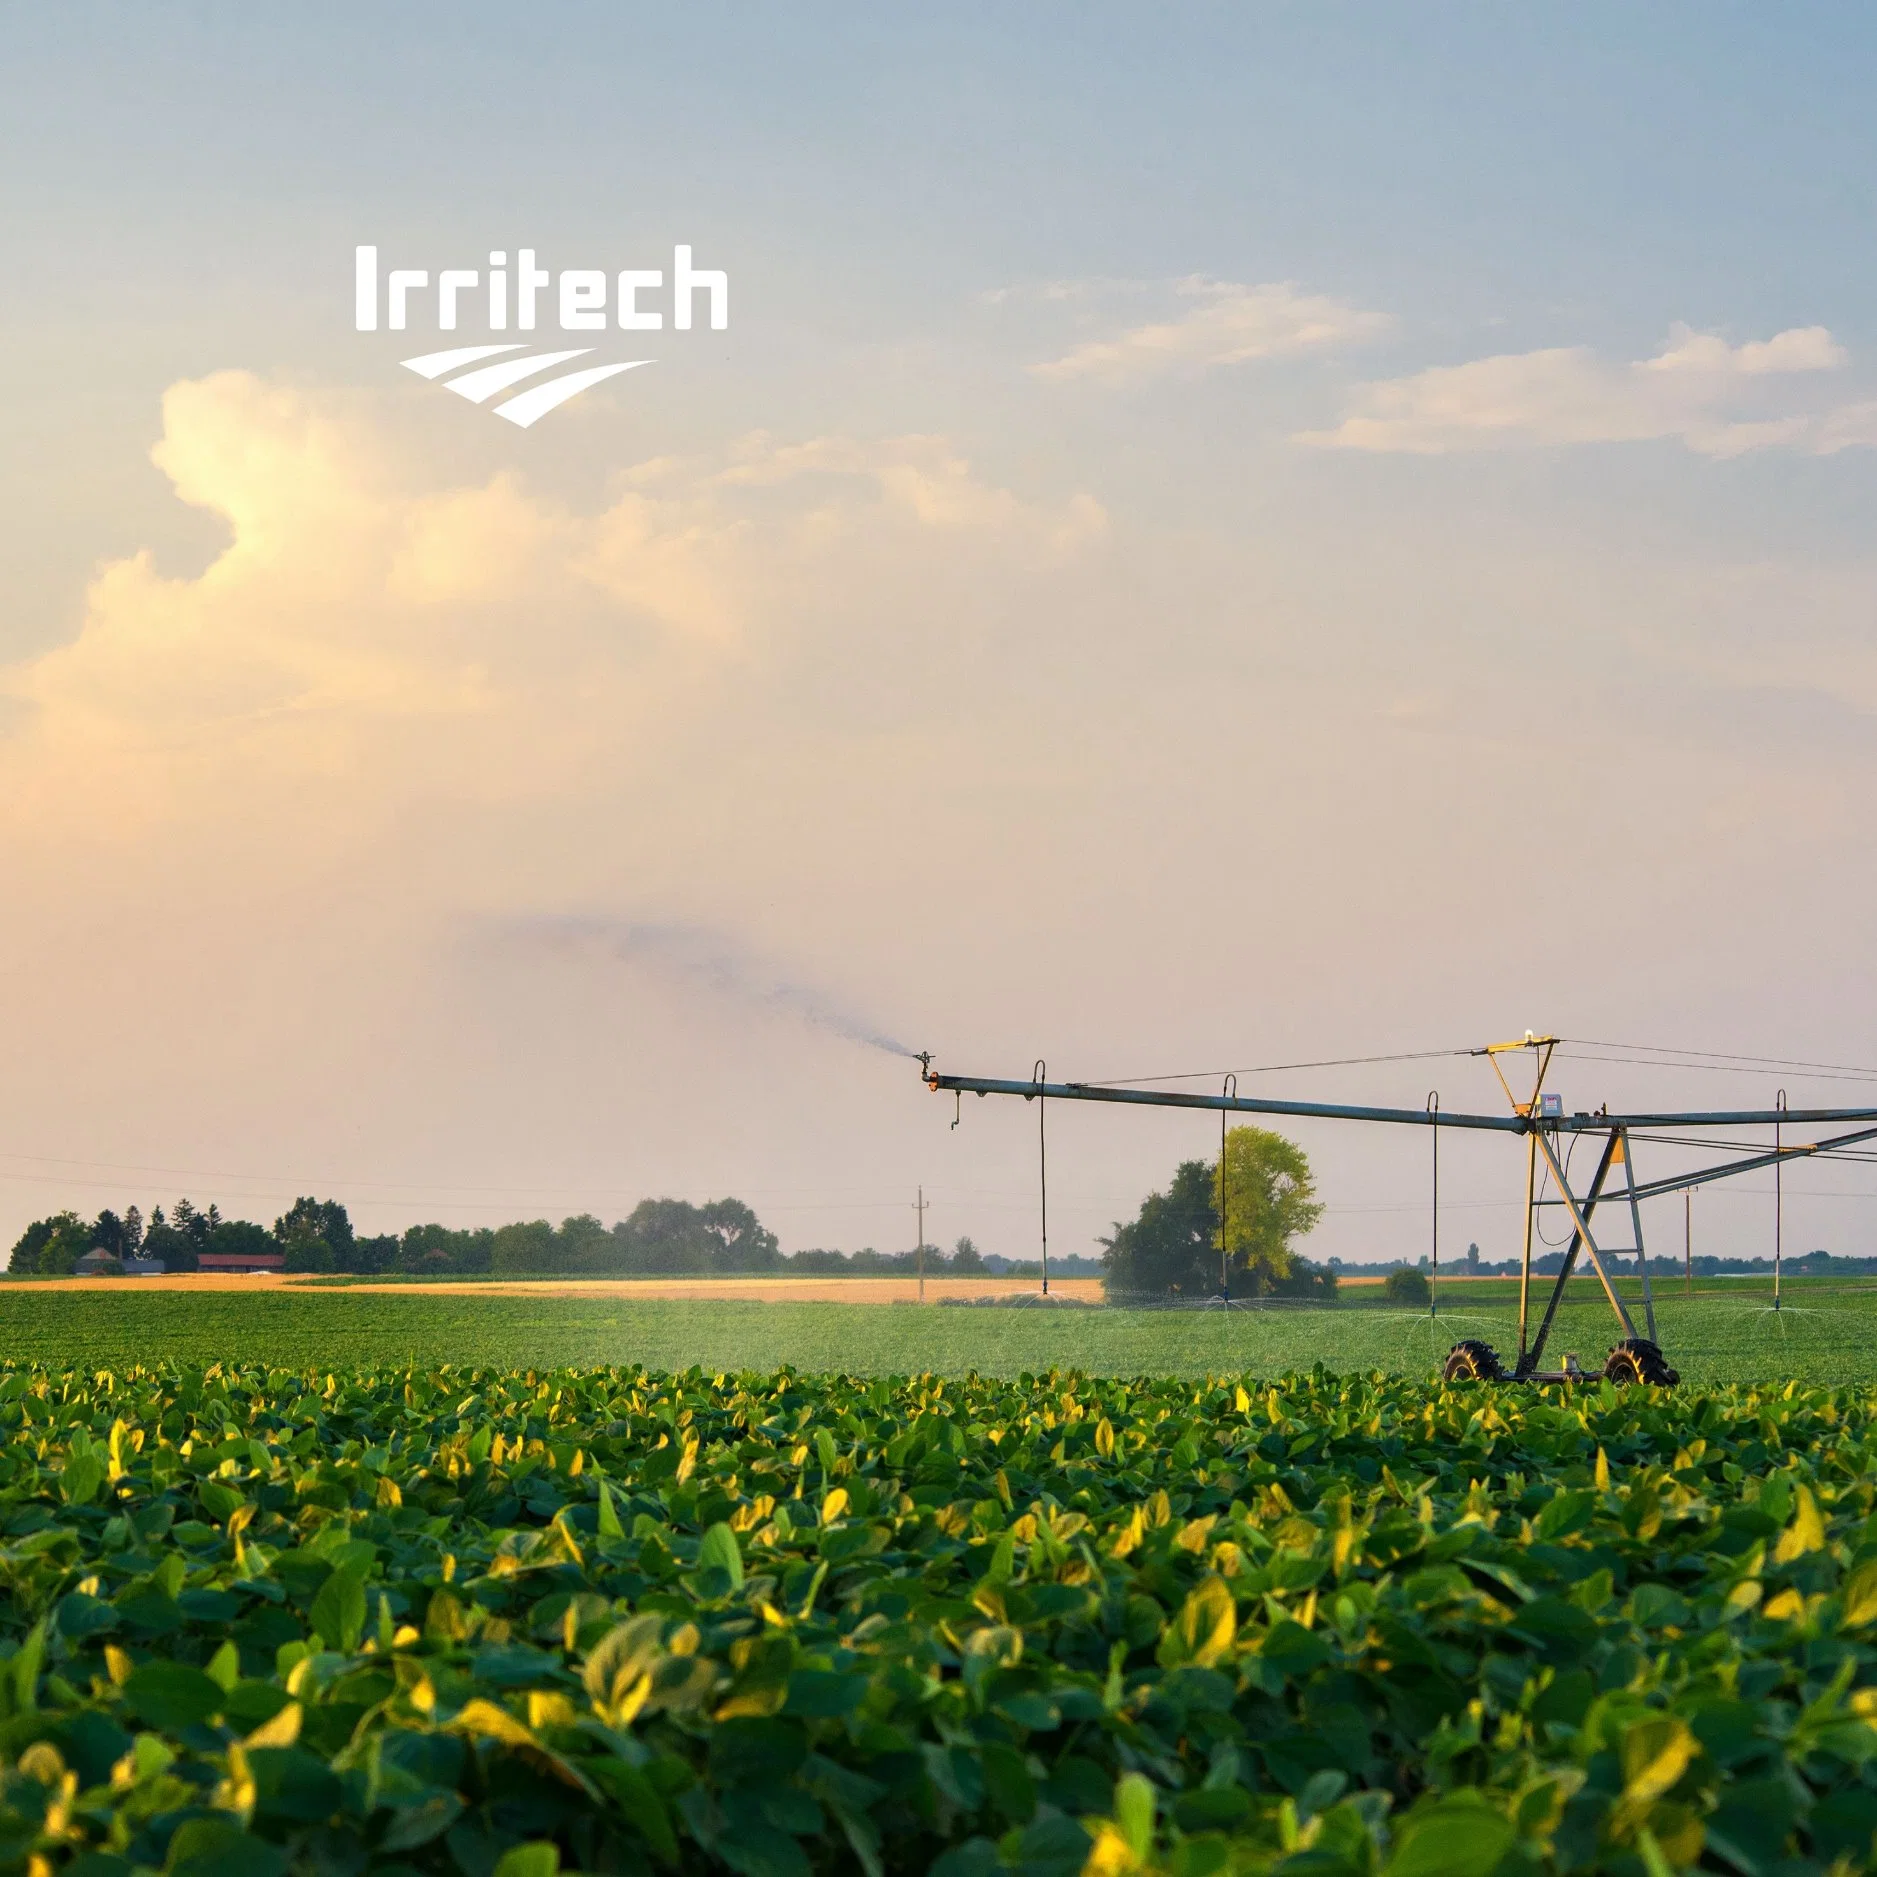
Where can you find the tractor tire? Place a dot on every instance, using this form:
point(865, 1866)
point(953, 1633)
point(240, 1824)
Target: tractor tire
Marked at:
point(1473, 1361)
point(1636, 1359)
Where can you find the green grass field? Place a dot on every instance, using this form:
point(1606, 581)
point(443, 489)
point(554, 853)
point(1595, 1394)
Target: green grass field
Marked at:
point(1722, 1333)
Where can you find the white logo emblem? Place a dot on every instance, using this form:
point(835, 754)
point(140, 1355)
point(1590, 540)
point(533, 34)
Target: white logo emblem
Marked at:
point(582, 294)
point(525, 407)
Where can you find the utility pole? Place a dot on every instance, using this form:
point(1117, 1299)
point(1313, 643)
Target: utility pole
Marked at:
point(1688, 1237)
point(920, 1208)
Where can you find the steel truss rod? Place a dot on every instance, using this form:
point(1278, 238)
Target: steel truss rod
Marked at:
point(1406, 1117)
point(1581, 1222)
point(1530, 1359)
point(1681, 1182)
point(1235, 1104)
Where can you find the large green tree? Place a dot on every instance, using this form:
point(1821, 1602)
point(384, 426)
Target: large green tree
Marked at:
point(1172, 1247)
point(51, 1247)
point(1265, 1193)
point(315, 1234)
point(743, 1242)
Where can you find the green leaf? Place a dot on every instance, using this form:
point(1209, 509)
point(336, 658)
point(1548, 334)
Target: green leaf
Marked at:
point(719, 1550)
point(170, 1695)
point(417, 1824)
point(1134, 1813)
point(214, 1847)
point(758, 1851)
point(219, 1499)
point(83, 1475)
point(23, 1671)
point(1567, 1512)
point(338, 1612)
point(1459, 1836)
point(609, 1525)
point(638, 1799)
point(291, 1783)
point(755, 1751)
point(541, 1859)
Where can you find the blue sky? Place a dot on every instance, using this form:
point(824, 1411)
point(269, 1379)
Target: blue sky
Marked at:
point(1151, 447)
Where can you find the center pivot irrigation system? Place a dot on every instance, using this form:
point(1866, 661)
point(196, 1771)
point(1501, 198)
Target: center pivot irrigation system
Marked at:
point(1550, 1137)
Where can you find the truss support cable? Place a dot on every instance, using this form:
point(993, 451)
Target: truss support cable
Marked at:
point(1225, 1242)
point(1433, 1283)
point(1779, 1198)
point(1039, 1084)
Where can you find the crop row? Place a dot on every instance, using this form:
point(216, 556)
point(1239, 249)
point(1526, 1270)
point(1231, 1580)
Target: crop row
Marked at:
point(502, 1624)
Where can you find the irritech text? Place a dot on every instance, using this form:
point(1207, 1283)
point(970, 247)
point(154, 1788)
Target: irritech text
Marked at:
point(583, 297)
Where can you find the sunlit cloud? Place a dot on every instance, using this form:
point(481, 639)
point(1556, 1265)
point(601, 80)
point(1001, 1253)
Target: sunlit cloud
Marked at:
point(1225, 323)
point(369, 621)
point(1698, 389)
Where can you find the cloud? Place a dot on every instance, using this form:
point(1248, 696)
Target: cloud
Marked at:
point(1697, 389)
point(394, 631)
point(1226, 324)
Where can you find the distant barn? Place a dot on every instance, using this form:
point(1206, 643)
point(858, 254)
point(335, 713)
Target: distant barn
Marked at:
point(241, 1262)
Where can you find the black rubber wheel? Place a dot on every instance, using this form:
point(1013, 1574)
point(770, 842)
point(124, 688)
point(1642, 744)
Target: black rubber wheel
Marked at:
point(1636, 1359)
point(1473, 1361)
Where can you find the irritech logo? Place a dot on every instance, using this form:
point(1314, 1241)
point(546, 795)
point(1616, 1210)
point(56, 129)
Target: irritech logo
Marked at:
point(581, 296)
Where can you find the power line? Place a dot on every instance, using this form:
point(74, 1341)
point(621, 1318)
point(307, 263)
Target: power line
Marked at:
point(1716, 1058)
point(1273, 1068)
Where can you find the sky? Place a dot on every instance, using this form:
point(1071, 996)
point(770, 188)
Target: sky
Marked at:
point(1212, 537)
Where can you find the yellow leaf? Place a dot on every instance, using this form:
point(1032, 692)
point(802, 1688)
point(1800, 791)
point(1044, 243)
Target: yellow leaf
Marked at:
point(1104, 1438)
point(1130, 1535)
point(564, 1532)
point(489, 1722)
point(1111, 1855)
point(549, 1708)
point(1193, 1534)
point(1743, 1597)
point(1603, 1471)
point(1656, 1753)
point(1860, 1596)
point(1205, 1627)
point(834, 1505)
point(1805, 1533)
point(687, 1464)
point(390, 1494)
point(280, 1731)
point(117, 1664)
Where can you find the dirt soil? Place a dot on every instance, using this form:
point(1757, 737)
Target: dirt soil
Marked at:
point(750, 1289)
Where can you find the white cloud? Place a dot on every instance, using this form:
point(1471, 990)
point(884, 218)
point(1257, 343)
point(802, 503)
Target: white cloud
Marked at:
point(1797, 349)
point(1226, 324)
point(1698, 389)
point(392, 636)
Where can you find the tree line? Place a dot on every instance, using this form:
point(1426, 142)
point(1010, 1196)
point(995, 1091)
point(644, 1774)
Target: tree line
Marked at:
point(662, 1237)
point(1234, 1227)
